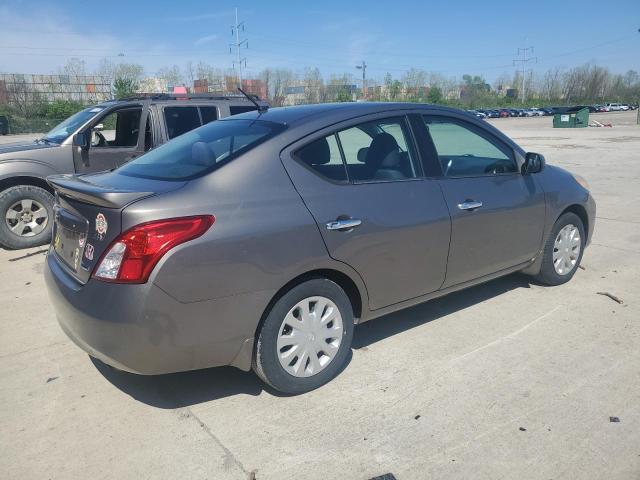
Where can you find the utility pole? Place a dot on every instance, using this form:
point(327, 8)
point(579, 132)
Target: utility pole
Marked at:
point(363, 67)
point(237, 63)
point(524, 53)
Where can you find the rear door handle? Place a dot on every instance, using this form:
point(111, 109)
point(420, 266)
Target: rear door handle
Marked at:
point(346, 224)
point(469, 205)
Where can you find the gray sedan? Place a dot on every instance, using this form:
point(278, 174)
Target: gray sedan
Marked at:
point(259, 241)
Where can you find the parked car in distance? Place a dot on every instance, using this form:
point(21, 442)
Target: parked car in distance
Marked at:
point(259, 240)
point(101, 137)
point(614, 107)
point(504, 113)
point(477, 113)
point(591, 108)
point(624, 107)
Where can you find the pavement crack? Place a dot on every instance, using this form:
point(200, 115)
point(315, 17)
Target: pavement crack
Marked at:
point(229, 457)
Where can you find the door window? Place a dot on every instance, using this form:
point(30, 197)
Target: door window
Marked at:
point(181, 120)
point(323, 156)
point(119, 128)
point(464, 150)
point(378, 151)
point(208, 114)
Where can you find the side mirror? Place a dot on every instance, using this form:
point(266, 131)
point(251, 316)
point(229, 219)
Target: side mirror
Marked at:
point(98, 127)
point(81, 140)
point(533, 163)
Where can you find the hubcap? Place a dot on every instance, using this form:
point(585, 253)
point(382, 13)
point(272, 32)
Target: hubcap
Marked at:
point(310, 336)
point(27, 217)
point(566, 249)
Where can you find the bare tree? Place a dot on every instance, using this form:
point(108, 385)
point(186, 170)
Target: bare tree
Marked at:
point(75, 67)
point(171, 75)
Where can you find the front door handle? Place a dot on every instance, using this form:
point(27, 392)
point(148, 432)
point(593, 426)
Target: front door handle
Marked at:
point(342, 225)
point(469, 205)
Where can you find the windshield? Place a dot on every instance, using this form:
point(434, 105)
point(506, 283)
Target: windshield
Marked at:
point(60, 132)
point(202, 150)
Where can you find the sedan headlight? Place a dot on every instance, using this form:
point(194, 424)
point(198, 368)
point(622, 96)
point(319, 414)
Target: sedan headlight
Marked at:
point(581, 181)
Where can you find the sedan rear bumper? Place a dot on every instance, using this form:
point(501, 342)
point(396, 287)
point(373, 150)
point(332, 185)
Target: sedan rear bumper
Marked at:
point(141, 329)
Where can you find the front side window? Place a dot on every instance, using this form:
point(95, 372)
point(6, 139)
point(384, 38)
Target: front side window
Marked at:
point(181, 120)
point(464, 150)
point(201, 151)
point(117, 129)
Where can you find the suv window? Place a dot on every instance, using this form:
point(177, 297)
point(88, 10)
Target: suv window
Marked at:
point(119, 128)
point(208, 114)
point(236, 109)
point(378, 150)
point(181, 120)
point(201, 151)
point(465, 150)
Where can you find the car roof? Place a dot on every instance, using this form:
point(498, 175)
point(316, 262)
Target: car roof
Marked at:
point(170, 100)
point(336, 111)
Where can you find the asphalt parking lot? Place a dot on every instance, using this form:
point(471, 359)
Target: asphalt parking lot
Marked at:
point(505, 380)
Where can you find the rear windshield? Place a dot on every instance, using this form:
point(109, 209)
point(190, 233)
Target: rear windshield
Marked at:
point(202, 150)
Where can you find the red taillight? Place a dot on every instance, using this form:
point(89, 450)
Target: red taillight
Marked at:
point(131, 257)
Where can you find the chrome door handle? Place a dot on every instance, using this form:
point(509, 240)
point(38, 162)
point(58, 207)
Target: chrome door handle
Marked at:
point(346, 224)
point(469, 205)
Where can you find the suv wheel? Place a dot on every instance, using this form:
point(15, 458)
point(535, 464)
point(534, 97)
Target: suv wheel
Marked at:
point(26, 216)
point(562, 251)
point(305, 339)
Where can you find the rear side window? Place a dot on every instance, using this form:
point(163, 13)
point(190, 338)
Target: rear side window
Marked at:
point(181, 120)
point(323, 156)
point(378, 150)
point(209, 114)
point(235, 109)
point(201, 151)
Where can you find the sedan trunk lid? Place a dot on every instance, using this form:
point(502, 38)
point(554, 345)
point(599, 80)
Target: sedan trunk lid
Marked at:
point(87, 215)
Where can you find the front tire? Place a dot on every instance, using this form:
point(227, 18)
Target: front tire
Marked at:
point(305, 339)
point(563, 250)
point(26, 216)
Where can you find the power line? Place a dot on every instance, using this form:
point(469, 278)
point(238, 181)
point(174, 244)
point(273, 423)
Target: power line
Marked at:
point(235, 29)
point(525, 61)
point(363, 67)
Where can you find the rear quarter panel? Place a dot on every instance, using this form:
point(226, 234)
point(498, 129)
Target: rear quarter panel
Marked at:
point(262, 238)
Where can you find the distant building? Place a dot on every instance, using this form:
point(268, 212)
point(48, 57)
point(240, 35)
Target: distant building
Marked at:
point(26, 88)
point(255, 87)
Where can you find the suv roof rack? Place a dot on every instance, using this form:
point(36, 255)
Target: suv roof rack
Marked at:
point(183, 96)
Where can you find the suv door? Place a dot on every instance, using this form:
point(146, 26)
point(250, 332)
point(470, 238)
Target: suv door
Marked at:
point(363, 184)
point(114, 139)
point(497, 214)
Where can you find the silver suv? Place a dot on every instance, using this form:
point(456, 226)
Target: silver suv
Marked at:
point(98, 138)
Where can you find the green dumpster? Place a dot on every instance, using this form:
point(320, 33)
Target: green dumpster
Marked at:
point(575, 117)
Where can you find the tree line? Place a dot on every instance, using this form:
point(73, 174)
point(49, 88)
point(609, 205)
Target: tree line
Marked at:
point(578, 85)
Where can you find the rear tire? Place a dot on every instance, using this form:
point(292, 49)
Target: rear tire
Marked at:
point(26, 216)
point(561, 258)
point(305, 339)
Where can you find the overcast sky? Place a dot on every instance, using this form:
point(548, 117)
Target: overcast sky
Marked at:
point(452, 38)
